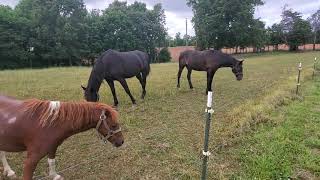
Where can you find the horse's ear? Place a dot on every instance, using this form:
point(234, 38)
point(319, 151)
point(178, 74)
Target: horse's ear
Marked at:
point(84, 88)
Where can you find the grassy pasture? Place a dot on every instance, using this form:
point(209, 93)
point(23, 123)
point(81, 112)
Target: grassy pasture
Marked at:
point(164, 133)
point(291, 148)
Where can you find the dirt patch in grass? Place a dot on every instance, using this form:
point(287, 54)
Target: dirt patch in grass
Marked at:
point(304, 175)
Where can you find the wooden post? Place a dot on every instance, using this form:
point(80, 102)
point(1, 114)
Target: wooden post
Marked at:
point(299, 73)
point(31, 51)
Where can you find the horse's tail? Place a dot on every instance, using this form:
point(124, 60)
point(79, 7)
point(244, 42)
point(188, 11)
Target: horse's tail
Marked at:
point(148, 69)
point(182, 59)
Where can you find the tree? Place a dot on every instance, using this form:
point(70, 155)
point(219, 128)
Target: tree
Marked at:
point(63, 32)
point(315, 25)
point(164, 55)
point(224, 23)
point(57, 29)
point(95, 35)
point(130, 27)
point(13, 39)
point(178, 41)
point(275, 35)
point(295, 30)
point(258, 36)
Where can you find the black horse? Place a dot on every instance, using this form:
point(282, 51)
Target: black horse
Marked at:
point(113, 65)
point(210, 61)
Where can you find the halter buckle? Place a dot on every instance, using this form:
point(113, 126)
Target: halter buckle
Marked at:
point(103, 116)
point(111, 132)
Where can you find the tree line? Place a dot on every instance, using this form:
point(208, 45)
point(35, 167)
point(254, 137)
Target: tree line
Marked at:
point(231, 23)
point(43, 33)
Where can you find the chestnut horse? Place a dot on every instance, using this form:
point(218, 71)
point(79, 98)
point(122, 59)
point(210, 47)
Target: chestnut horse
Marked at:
point(39, 127)
point(210, 61)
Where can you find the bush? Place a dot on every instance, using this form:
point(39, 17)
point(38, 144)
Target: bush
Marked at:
point(164, 55)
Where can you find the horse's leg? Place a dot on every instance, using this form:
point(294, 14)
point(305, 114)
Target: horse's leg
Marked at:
point(210, 75)
point(113, 90)
point(30, 164)
point(52, 165)
point(7, 169)
point(189, 77)
point(142, 80)
point(179, 75)
point(124, 84)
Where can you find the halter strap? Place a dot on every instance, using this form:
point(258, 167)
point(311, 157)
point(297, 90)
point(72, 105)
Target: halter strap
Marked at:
point(111, 132)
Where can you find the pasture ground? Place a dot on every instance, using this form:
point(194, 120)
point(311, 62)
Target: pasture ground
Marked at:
point(164, 133)
point(287, 147)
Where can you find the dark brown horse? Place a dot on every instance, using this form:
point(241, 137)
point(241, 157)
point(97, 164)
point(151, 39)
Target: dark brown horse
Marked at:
point(113, 65)
point(39, 127)
point(210, 61)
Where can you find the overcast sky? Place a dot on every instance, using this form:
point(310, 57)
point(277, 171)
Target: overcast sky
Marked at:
point(177, 11)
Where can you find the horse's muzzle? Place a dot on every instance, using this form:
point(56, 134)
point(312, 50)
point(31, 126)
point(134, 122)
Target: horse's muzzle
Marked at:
point(239, 77)
point(118, 143)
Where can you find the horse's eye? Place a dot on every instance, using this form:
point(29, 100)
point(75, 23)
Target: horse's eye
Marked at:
point(114, 126)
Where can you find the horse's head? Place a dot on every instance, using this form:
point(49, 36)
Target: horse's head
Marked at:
point(108, 127)
point(90, 94)
point(237, 69)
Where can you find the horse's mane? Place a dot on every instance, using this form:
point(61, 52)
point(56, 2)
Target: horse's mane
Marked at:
point(76, 114)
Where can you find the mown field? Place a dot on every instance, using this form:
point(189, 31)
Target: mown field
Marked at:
point(164, 133)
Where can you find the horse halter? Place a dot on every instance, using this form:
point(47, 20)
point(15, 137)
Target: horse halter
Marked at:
point(236, 72)
point(111, 132)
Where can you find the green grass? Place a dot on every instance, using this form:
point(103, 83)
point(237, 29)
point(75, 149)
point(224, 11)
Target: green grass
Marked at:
point(164, 134)
point(289, 150)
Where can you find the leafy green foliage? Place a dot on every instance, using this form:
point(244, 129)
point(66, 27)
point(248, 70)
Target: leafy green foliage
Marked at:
point(133, 27)
point(295, 30)
point(63, 32)
point(315, 24)
point(274, 34)
point(226, 23)
point(179, 41)
point(164, 55)
point(12, 39)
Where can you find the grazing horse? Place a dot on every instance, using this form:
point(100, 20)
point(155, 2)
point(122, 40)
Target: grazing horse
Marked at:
point(113, 65)
point(39, 127)
point(210, 61)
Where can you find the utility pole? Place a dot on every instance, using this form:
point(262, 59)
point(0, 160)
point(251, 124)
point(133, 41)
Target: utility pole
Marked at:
point(186, 31)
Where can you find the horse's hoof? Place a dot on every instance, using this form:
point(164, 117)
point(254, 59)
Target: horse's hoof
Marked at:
point(10, 174)
point(58, 177)
point(134, 106)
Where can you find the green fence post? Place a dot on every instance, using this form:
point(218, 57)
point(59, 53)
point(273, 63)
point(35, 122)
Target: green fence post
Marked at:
point(299, 73)
point(205, 152)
